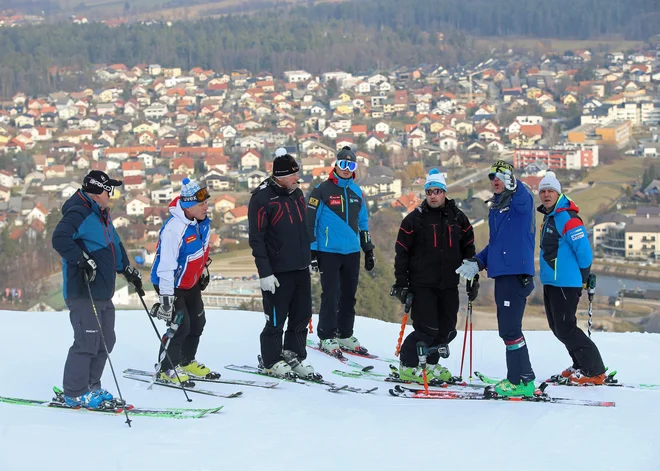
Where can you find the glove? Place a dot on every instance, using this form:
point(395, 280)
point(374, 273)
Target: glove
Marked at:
point(163, 310)
point(369, 260)
point(205, 279)
point(469, 269)
point(399, 292)
point(269, 283)
point(134, 277)
point(508, 179)
point(473, 289)
point(88, 267)
point(314, 265)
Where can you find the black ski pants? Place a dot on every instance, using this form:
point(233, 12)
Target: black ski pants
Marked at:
point(292, 301)
point(434, 314)
point(560, 308)
point(339, 281)
point(87, 356)
point(183, 346)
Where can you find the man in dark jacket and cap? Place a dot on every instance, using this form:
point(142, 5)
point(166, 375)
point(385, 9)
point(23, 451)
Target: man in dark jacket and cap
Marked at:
point(280, 246)
point(92, 255)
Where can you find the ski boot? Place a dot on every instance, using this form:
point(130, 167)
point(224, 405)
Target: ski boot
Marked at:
point(415, 374)
point(108, 397)
point(331, 347)
point(303, 368)
point(579, 378)
point(438, 372)
point(563, 377)
point(351, 344)
point(281, 369)
point(171, 376)
point(89, 400)
point(507, 389)
point(194, 369)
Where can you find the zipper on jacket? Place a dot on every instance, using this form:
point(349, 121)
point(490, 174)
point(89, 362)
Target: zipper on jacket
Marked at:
point(450, 243)
point(288, 210)
point(342, 204)
point(556, 266)
point(435, 238)
point(326, 236)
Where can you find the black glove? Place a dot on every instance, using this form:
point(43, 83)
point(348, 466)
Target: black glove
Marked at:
point(205, 279)
point(400, 292)
point(473, 288)
point(163, 309)
point(314, 265)
point(88, 268)
point(134, 277)
point(369, 260)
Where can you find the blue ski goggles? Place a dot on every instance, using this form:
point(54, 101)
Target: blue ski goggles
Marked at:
point(347, 165)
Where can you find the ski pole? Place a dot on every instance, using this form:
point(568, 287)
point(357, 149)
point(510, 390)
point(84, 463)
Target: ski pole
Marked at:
point(105, 346)
point(165, 342)
point(404, 321)
point(468, 318)
point(591, 290)
point(421, 353)
point(166, 352)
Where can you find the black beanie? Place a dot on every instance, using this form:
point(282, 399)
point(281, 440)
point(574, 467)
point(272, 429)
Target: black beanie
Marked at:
point(284, 166)
point(346, 154)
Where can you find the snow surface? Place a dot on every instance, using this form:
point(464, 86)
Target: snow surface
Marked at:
point(295, 427)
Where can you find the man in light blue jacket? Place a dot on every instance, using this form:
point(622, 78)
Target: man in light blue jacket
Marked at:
point(565, 262)
point(337, 221)
point(509, 259)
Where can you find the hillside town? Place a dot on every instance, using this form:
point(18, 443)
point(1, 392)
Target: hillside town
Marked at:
point(152, 126)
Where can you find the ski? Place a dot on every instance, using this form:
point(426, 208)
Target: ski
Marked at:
point(487, 395)
point(219, 380)
point(332, 387)
point(394, 378)
point(339, 356)
point(138, 411)
point(369, 356)
point(176, 386)
point(559, 380)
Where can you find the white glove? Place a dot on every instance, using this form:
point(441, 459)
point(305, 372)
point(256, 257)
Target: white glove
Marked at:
point(508, 179)
point(163, 309)
point(269, 283)
point(469, 269)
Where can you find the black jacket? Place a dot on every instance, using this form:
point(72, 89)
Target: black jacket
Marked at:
point(431, 245)
point(85, 227)
point(278, 229)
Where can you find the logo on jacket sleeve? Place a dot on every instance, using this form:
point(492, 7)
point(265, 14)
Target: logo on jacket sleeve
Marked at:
point(313, 201)
point(335, 201)
point(190, 239)
point(577, 235)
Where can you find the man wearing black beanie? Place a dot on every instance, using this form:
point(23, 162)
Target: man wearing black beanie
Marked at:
point(280, 246)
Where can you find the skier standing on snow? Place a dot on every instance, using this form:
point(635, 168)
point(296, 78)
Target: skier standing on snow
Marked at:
point(509, 259)
point(565, 261)
point(92, 254)
point(180, 274)
point(280, 246)
point(337, 218)
point(432, 241)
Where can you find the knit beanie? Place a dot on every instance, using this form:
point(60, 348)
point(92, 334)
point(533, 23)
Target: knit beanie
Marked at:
point(435, 179)
point(188, 190)
point(550, 182)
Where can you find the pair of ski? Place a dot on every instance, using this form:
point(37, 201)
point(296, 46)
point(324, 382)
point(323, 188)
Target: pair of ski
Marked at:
point(331, 387)
point(339, 355)
point(558, 380)
point(147, 377)
point(58, 403)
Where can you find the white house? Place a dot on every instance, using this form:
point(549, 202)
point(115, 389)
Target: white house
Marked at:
point(162, 195)
point(250, 160)
point(295, 76)
point(136, 205)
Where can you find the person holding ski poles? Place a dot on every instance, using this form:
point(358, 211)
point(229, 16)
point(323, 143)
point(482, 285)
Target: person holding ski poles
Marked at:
point(92, 255)
point(179, 275)
point(433, 240)
point(565, 262)
point(509, 259)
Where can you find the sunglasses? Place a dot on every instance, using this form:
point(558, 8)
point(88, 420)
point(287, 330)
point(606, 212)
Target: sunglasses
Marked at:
point(492, 176)
point(434, 191)
point(347, 165)
point(200, 196)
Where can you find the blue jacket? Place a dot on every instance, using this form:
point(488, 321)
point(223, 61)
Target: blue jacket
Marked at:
point(182, 252)
point(566, 255)
point(84, 227)
point(337, 217)
point(510, 249)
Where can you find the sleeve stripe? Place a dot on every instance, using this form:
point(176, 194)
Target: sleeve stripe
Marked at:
point(572, 224)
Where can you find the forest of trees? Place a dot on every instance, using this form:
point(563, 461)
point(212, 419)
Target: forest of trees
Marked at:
point(354, 36)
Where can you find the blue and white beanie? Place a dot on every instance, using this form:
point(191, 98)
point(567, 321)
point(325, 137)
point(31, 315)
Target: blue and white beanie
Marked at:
point(188, 188)
point(435, 179)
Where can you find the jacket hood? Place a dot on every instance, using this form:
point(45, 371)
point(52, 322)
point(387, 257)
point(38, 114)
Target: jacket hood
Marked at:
point(177, 212)
point(342, 182)
point(80, 200)
point(564, 203)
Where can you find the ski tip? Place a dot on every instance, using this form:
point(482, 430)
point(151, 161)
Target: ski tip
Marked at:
point(368, 368)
